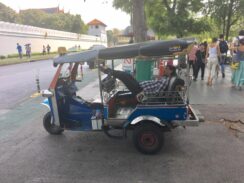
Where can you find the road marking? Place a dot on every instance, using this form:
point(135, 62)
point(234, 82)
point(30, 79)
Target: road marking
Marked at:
point(34, 95)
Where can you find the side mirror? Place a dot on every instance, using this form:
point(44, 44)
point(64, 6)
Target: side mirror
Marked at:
point(46, 93)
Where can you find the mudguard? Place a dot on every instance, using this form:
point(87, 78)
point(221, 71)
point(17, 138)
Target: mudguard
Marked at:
point(46, 103)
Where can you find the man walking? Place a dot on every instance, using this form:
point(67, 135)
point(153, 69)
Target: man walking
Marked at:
point(19, 48)
point(223, 46)
point(200, 61)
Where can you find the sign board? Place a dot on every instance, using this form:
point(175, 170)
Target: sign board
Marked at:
point(127, 65)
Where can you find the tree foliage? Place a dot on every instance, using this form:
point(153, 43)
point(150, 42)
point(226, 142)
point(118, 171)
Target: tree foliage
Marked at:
point(124, 5)
point(7, 14)
point(58, 21)
point(112, 36)
point(175, 17)
point(170, 17)
point(38, 18)
point(136, 9)
point(226, 13)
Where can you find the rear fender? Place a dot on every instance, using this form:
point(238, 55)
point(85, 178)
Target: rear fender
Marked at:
point(147, 118)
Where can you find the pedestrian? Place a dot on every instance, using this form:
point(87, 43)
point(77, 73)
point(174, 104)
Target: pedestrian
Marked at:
point(223, 46)
point(28, 50)
point(192, 57)
point(19, 48)
point(235, 42)
point(48, 49)
point(212, 54)
point(238, 75)
point(234, 48)
point(200, 61)
point(205, 46)
point(43, 50)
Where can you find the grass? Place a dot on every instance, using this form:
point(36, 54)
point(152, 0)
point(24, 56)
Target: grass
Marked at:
point(9, 61)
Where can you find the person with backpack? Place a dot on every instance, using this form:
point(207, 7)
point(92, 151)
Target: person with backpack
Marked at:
point(223, 46)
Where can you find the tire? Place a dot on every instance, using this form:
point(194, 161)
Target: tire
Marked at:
point(148, 138)
point(51, 128)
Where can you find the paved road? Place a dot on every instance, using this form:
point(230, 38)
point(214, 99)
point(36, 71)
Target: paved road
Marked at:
point(18, 81)
point(204, 154)
point(208, 153)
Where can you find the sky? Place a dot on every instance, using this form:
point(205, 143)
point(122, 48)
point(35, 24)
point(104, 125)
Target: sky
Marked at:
point(89, 10)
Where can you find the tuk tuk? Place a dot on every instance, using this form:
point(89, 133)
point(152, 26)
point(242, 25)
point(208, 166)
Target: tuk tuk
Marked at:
point(118, 108)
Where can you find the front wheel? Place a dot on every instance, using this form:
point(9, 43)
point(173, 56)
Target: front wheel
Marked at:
point(148, 138)
point(49, 126)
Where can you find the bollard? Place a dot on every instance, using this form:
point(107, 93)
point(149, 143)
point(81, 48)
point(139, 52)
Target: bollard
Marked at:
point(38, 83)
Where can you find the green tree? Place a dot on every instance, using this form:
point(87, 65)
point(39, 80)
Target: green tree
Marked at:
point(124, 5)
point(7, 14)
point(57, 21)
point(175, 17)
point(167, 17)
point(33, 18)
point(138, 19)
point(226, 13)
point(78, 26)
point(112, 36)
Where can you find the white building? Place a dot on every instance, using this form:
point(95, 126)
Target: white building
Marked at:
point(97, 28)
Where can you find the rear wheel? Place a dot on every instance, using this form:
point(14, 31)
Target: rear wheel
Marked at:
point(49, 126)
point(148, 138)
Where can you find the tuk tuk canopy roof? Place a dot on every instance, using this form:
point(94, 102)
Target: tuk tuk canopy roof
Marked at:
point(144, 49)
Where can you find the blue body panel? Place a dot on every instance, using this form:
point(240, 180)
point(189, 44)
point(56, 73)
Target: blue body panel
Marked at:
point(76, 115)
point(164, 113)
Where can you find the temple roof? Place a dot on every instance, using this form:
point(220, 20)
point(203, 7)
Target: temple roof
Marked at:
point(96, 22)
point(48, 10)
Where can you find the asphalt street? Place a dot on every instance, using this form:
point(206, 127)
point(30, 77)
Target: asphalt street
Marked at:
point(209, 153)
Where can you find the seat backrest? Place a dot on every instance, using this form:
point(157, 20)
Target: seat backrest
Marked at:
point(174, 83)
point(171, 82)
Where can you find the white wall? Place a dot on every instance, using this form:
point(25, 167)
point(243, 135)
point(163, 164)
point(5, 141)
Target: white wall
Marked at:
point(11, 34)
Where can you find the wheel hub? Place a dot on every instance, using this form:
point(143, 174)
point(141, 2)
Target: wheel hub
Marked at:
point(148, 139)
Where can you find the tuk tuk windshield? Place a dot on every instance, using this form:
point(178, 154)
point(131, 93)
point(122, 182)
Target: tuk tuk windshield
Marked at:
point(65, 71)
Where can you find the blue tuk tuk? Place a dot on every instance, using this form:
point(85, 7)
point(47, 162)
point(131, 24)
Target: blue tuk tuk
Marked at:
point(118, 108)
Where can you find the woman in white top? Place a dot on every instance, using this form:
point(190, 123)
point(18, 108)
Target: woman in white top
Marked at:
point(212, 53)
